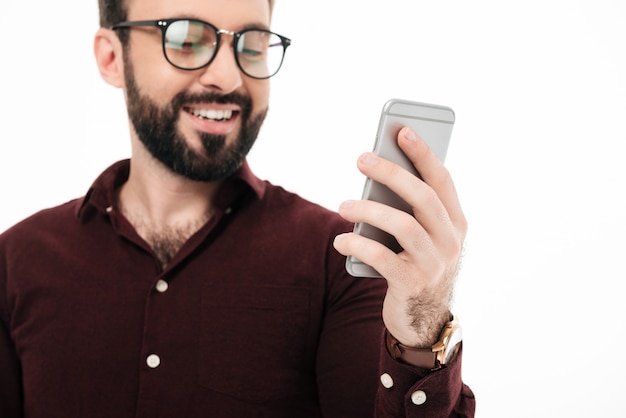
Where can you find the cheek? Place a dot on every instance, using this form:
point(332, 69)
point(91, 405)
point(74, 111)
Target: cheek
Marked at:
point(259, 91)
point(155, 78)
point(160, 87)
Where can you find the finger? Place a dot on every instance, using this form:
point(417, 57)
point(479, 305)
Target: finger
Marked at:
point(434, 173)
point(401, 225)
point(366, 250)
point(424, 201)
point(419, 249)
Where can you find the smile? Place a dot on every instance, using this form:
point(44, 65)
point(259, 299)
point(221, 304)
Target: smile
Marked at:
point(212, 114)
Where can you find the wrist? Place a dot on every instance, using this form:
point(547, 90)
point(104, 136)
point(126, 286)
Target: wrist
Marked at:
point(435, 357)
point(417, 321)
point(422, 328)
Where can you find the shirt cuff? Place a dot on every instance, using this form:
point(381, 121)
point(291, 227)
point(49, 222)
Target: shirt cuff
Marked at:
point(407, 391)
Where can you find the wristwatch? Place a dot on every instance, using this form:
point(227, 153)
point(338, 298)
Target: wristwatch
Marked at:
point(434, 358)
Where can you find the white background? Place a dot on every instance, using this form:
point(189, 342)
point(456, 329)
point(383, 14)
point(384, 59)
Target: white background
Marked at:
point(537, 155)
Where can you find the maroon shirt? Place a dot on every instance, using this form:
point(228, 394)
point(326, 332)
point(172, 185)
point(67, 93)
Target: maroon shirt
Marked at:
point(255, 316)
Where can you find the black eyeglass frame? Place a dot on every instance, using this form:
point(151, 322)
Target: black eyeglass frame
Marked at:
point(163, 24)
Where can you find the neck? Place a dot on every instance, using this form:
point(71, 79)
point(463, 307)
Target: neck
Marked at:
point(164, 208)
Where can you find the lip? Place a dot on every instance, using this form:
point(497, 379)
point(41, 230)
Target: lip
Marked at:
point(213, 126)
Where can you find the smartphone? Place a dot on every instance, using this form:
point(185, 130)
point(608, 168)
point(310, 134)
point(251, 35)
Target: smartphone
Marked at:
point(433, 123)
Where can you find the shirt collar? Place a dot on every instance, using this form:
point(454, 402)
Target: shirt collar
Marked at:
point(102, 193)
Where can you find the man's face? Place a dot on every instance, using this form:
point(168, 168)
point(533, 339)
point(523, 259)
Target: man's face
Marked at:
point(202, 123)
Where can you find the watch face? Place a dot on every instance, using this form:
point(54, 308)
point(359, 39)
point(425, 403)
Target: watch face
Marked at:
point(453, 344)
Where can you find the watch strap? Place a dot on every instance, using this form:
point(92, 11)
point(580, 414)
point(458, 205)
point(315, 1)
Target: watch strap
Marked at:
point(424, 358)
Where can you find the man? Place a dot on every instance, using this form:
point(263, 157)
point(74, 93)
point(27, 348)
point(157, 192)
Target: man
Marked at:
point(183, 286)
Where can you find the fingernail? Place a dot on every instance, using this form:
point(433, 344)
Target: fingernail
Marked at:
point(339, 238)
point(409, 134)
point(347, 204)
point(369, 159)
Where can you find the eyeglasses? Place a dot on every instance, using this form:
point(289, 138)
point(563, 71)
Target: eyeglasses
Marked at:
point(191, 44)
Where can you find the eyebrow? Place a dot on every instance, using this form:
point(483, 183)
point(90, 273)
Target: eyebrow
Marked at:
point(247, 26)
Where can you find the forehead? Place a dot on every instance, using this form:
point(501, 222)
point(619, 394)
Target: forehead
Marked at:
point(225, 14)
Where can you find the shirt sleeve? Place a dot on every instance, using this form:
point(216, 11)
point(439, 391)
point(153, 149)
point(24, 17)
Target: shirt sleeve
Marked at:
point(10, 371)
point(404, 391)
point(10, 392)
point(352, 357)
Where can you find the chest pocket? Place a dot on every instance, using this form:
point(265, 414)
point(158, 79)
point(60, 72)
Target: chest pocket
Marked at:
point(253, 341)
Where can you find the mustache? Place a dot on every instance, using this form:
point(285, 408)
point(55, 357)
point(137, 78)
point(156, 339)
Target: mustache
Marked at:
point(242, 100)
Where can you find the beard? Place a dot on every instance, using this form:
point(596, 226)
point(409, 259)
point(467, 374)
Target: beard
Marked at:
point(157, 129)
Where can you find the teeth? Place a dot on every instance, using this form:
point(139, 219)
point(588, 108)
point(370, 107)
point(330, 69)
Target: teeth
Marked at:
point(212, 114)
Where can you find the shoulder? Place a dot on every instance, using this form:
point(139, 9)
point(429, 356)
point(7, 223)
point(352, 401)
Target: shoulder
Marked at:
point(41, 224)
point(294, 207)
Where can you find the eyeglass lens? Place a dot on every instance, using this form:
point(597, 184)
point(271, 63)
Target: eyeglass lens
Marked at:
point(192, 44)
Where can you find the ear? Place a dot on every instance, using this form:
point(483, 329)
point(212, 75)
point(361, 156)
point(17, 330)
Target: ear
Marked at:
point(108, 52)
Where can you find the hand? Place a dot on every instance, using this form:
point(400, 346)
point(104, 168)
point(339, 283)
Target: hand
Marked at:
point(420, 278)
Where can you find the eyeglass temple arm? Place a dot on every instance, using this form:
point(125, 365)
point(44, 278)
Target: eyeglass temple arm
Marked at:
point(159, 23)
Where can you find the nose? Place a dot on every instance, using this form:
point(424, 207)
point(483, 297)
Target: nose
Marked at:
point(223, 73)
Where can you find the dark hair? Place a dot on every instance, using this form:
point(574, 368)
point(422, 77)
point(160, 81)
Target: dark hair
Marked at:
point(112, 12)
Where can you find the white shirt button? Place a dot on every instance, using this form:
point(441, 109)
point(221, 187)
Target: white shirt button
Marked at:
point(162, 286)
point(418, 397)
point(386, 380)
point(109, 209)
point(153, 361)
